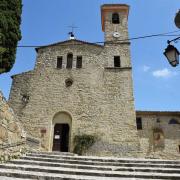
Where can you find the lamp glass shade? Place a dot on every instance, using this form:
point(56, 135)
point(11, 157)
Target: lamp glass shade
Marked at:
point(172, 54)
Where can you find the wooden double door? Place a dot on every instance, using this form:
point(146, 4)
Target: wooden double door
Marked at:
point(61, 137)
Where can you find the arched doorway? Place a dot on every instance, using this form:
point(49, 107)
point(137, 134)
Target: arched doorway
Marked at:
point(61, 132)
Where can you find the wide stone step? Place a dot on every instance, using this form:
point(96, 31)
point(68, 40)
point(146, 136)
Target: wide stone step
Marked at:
point(73, 174)
point(89, 172)
point(86, 162)
point(104, 159)
point(53, 153)
point(65, 165)
point(103, 167)
point(101, 163)
point(12, 178)
point(58, 165)
point(9, 173)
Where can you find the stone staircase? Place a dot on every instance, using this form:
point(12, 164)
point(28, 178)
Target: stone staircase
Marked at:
point(55, 166)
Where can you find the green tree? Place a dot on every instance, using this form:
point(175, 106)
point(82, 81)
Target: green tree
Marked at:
point(10, 34)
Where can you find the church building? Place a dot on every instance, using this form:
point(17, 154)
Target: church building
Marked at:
point(80, 88)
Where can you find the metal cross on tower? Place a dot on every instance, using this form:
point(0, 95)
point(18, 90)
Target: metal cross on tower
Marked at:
point(72, 31)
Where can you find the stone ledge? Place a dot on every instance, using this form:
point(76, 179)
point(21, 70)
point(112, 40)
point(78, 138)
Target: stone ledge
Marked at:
point(116, 42)
point(32, 143)
point(117, 68)
point(4, 146)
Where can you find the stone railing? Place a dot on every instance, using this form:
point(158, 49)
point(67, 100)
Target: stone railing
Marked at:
point(12, 138)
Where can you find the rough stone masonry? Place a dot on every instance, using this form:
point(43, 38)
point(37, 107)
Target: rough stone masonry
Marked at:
point(12, 141)
point(86, 88)
point(99, 102)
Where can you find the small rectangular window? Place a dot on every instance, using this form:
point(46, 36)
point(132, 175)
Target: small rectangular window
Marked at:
point(59, 62)
point(79, 62)
point(179, 148)
point(139, 123)
point(117, 62)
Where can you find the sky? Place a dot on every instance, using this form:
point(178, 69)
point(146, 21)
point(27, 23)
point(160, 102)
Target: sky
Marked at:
point(156, 83)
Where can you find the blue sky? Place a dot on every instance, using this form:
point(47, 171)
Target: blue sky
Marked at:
point(156, 83)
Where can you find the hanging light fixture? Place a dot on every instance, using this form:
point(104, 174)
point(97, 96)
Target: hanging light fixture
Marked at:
point(177, 19)
point(171, 52)
point(172, 55)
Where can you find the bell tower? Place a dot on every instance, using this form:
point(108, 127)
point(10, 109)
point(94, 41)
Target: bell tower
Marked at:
point(114, 19)
point(118, 76)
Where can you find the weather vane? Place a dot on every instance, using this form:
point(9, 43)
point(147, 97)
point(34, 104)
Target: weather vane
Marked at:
point(71, 33)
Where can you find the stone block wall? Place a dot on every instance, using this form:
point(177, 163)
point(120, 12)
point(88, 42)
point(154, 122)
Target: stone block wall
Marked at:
point(100, 101)
point(12, 137)
point(160, 134)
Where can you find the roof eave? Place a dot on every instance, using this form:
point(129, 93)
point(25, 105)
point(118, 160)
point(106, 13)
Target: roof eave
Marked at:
point(75, 40)
point(159, 113)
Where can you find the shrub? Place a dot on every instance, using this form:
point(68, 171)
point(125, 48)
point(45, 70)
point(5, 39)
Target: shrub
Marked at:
point(83, 143)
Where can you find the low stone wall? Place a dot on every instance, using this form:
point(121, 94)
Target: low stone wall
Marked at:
point(12, 136)
point(32, 144)
point(160, 134)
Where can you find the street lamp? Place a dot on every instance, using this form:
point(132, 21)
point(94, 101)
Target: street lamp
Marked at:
point(172, 55)
point(177, 19)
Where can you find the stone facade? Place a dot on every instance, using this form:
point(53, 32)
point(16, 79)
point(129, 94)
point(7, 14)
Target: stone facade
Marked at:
point(100, 101)
point(95, 99)
point(12, 141)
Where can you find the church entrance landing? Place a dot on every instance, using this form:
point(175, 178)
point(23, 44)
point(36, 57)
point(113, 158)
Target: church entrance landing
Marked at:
point(61, 137)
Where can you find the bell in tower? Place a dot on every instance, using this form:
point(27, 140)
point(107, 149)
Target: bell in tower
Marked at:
point(114, 19)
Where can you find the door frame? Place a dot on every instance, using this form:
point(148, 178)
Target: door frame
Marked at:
point(61, 128)
point(62, 117)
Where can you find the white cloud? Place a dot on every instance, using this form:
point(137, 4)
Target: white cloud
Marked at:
point(163, 73)
point(146, 68)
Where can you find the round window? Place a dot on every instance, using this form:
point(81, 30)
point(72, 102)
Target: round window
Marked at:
point(68, 82)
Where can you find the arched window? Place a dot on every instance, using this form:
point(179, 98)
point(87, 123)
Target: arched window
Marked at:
point(115, 18)
point(69, 61)
point(173, 121)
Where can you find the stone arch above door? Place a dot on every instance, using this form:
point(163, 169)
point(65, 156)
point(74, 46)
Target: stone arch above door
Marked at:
point(62, 117)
